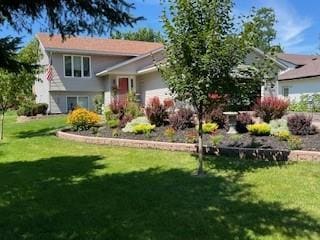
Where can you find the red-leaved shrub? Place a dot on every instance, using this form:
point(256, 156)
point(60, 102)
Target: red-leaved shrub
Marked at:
point(156, 112)
point(168, 103)
point(117, 106)
point(243, 119)
point(300, 124)
point(216, 115)
point(270, 108)
point(184, 118)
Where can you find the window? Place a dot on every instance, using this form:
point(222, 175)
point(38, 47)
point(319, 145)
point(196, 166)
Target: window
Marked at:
point(77, 66)
point(77, 101)
point(285, 91)
point(67, 66)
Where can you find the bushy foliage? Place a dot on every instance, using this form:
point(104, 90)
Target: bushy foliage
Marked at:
point(216, 140)
point(270, 108)
point(168, 103)
point(170, 133)
point(259, 129)
point(300, 124)
point(82, 119)
point(294, 143)
point(156, 112)
point(29, 108)
point(113, 123)
point(143, 128)
point(216, 115)
point(98, 103)
point(183, 118)
point(303, 104)
point(278, 126)
point(209, 127)
point(130, 125)
point(191, 137)
point(243, 120)
point(117, 106)
point(283, 135)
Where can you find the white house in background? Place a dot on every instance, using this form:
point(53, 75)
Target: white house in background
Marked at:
point(302, 76)
point(85, 67)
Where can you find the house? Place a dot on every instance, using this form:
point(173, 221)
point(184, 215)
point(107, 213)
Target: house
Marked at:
point(85, 67)
point(301, 76)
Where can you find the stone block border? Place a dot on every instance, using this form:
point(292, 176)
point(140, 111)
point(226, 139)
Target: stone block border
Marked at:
point(260, 154)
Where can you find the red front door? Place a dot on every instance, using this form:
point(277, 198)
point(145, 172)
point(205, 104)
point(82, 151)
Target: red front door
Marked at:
point(123, 89)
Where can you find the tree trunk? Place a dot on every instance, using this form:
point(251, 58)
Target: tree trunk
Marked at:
point(200, 145)
point(2, 124)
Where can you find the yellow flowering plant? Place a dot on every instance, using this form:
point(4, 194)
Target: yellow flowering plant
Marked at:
point(82, 119)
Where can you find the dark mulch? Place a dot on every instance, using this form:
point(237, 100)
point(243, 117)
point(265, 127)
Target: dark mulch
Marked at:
point(311, 142)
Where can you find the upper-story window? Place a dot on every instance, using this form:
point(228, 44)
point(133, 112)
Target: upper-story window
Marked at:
point(77, 66)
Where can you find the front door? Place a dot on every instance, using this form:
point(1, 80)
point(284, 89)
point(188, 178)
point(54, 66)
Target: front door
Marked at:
point(123, 89)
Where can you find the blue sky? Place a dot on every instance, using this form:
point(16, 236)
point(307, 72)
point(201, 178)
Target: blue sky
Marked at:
point(298, 24)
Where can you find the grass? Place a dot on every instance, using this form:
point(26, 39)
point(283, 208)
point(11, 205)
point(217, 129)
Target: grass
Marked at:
point(56, 189)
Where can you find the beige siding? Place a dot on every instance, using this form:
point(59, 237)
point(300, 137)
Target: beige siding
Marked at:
point(151, 85)
point(58, 100)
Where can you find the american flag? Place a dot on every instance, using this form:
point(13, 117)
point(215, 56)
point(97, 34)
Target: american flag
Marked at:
point(49, 73)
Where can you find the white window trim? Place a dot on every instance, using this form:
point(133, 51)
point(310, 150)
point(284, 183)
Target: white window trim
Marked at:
point(76, 96)
point(72, 70)
point(134, 87)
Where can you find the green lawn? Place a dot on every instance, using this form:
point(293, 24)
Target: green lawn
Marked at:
point(56, 189)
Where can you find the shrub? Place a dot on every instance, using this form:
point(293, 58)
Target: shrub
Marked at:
point(243, 120)
point(216, 140)
point(117, 106)
point(139, 120)
point(168, 103)
point(98, 103)
point(300, 124)
point(156, 112)
point(294, 143)
point(113, 123)
point(108, 113)
point(283, 135)
point(191, 137)
point(40, 108)
point(32, 109)
point(216, 115)
point(182, 119)
point(302, 105)
point(235, 137)
point(132, 109)
point(143, 128)
point(270, 108)
point(259, 129)
point(82, 119)
point(209, 127)
point(278, 126)
point(170, 133)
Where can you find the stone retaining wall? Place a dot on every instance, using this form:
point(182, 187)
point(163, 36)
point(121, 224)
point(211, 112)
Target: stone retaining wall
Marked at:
point(260, 154)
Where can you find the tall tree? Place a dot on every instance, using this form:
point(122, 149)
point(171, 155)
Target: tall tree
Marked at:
point(65, 17)
point(203, 50)
point(262, 26)
point(17, 86)
point(205, 54)
point(143, 34)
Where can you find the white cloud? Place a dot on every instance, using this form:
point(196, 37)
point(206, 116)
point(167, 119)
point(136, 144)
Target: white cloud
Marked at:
point(291, 26)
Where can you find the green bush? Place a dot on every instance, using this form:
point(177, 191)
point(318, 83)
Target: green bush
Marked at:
point(143, 128)
point(278, 125)
point(209, 127)
point(283, 135)
point(98, 103)
point(139, 120)
point(32, 109)
point(303, 104)
point(216, 140)
point(113, 123)
point(259, 129)
point(294, 143)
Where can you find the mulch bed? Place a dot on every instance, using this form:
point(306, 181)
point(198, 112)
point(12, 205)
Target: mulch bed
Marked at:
point(311, 142)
